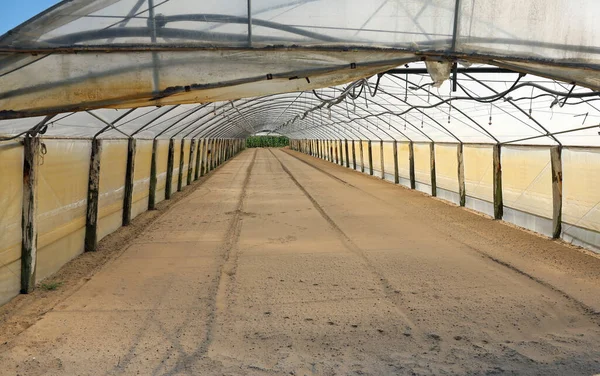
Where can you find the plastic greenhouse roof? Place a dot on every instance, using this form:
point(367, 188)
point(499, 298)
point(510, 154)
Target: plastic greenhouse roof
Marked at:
point(235, 67)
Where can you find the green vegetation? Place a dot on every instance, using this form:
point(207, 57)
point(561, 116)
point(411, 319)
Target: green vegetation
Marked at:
point(51, 286)
point(267, 142)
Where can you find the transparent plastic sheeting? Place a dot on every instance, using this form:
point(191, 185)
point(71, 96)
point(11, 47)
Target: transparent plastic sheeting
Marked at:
point(11, 198)
point(581, 200)
point(526, 184)
point(162, 154)
point(62, 188)
point(141, 178)
point(423, 167)
point(213, 47)
point(527, 180)
point(446, 167)
point(62, 201)
point(113, 167)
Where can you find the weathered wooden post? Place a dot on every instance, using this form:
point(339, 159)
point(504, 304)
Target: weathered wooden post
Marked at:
point(129, 176)
point(362, 157)
point(198, 159)
point(462, 192)
point(432, 168)
point(181, 161)
point(170, 162)
point(190, 171)
point(347, 154)
point(153, 177)
point(370, 152)
point(557, 180)
point(395, 153)
point(91, 216)
point(29, 234)
point(411, 165)
point(353, 156)
point(498, 202)
point(381, 159)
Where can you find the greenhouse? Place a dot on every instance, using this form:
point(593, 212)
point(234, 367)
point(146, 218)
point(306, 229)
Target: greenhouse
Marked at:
point(111, 108)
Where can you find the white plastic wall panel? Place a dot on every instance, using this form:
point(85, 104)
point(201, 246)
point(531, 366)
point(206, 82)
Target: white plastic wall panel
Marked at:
point(446, 167)
point(376, 147)
point(527, 179)
point(11, 203)
point(62, 203)
point(479, 171)
point(162, 156)
point(365, 145)
point(141, 177)
point(113, 165)
point(581, 195)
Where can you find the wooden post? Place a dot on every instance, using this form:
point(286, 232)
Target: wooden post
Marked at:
point(381, 159)
point(190, 171)
point(330, 150)
point(180, 172)
point(170, 162)
point(370, 151)
point(129, 176)
point(395, 153)
point(362, 157)
point(432, 168)
point(203, 157)
point(198, 159)
point(411, 165)
point(498, 203)
point(91, 215)
point(29, 234)
point(557, 180)
point(462, 192)
point(153, 177)
point(353, 156)
point(347, 155)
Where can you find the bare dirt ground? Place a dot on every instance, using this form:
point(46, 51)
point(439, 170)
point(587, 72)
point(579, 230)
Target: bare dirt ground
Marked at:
point(284, 264)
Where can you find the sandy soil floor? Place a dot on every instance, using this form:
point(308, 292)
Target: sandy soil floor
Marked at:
point(283, 264)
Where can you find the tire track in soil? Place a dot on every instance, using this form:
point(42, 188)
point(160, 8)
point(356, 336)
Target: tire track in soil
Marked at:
point(226, 275)
point(584, 308)
point(386, 287)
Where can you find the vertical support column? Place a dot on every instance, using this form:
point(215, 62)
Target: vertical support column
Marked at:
point(381, 159)
point(190, 171)
point(353, 156)
point(432, 168)
point(498, 203)
point(91, 215)
point(395, 153)
point(203, 156)
point(462, 192)
point(170, 162)
point(129, 176)
point(347, 155)
point(330, 150)
point(198, 159)
point(370, 151)
point(180, 174)
point(29, 235)
point(153, 177)
point(411, 165)
point(362, 157)
point(557, 180)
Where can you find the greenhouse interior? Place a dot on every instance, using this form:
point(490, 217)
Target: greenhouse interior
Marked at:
point(110, 107)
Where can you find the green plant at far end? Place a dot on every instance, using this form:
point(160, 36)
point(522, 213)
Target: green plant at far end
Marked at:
point(267, 142)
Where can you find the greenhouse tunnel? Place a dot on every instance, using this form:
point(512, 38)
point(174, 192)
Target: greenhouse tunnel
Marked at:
point(110, 108)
